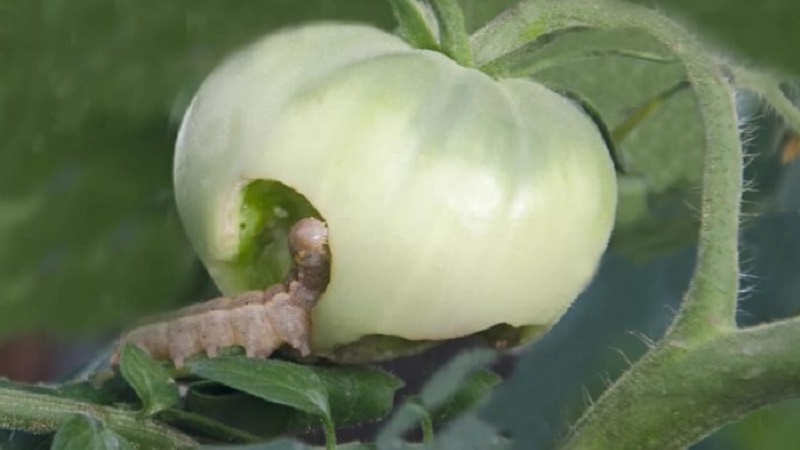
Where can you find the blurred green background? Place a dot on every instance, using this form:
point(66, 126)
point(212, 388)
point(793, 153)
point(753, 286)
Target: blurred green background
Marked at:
point(92, 92)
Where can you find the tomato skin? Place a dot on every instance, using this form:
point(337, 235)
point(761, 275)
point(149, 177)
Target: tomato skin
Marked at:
point(454, 201)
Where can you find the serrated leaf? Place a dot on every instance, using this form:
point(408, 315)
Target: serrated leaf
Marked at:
point(84, 433)
point(276, 381)
point(151, 381)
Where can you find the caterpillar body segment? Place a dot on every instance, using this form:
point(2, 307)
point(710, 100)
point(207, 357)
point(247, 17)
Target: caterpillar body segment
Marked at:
point(258, 321)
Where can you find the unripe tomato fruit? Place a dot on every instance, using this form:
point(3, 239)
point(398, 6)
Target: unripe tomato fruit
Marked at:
point(454, 201)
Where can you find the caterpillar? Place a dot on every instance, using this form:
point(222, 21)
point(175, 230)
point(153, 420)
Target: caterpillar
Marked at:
point(259, 321)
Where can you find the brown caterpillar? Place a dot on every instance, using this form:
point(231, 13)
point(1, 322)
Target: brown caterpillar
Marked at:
point(259, 321)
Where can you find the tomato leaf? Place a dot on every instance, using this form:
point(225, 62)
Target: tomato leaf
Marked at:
point(276, 381)
point(356, 395)
point(151, 381)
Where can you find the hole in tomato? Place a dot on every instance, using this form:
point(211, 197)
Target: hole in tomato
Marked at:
point(269, 209)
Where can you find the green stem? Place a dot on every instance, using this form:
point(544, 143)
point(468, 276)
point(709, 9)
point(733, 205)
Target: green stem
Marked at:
point(676, 396)
point(426, 423)
point(414, 28)
point(645, 110)
point(542, 64)
point(330, 433)
point(710, 304)
point(452, 31)
point(768, 87)
point(40, 413)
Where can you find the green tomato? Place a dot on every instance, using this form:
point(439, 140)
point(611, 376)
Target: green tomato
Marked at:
point(454, 201)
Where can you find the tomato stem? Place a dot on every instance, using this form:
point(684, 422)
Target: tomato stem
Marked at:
point(414, 26)
point(452, 31)
point(768, 87)
point(42, 413)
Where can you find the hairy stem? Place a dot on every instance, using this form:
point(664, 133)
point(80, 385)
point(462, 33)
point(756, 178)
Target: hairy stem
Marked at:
point(452, 32)
point(40, 413)
point(768, 87)
point(413, 27)
point(677, 395)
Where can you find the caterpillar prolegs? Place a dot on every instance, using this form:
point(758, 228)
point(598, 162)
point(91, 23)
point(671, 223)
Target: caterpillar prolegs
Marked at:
point(259, 321)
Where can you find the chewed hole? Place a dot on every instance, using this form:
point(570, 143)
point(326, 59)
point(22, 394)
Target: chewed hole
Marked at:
point(269, 209)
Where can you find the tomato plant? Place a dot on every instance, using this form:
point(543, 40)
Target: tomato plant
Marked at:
point(469, 184)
